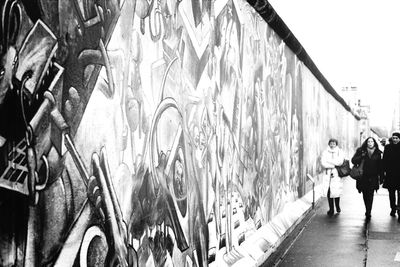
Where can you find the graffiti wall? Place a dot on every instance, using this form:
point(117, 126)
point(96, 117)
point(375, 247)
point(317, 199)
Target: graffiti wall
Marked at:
point(324, 119)
point(151, 133)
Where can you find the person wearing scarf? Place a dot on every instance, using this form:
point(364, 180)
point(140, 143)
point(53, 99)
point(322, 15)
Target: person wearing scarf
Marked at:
point(332, 183)
point(372, 171)
point(391, 168)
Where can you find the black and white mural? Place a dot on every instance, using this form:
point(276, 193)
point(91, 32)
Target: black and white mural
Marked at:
point(150, 132)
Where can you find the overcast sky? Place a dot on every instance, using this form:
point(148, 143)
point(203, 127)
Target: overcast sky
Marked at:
point(352, 42)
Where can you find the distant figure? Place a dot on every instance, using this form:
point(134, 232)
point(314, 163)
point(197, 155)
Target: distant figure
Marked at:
point(391, 168)
point(372, 171)
point(383, 142)
point(332, 183)
point(390, 140)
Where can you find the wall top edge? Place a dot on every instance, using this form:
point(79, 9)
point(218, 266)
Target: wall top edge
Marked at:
point(267, 12)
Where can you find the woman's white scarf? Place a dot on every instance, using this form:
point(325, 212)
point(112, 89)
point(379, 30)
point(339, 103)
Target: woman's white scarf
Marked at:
point(333, 150)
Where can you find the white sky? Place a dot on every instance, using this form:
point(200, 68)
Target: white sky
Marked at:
point(352, 42)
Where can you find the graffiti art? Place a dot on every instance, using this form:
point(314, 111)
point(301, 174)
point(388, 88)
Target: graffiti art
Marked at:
point(150, 132)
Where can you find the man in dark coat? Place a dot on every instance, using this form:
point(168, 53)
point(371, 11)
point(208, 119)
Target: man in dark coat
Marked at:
point(391, 167)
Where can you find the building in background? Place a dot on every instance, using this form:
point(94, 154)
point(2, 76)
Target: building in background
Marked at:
point(351, 95)
point(396, 113)
point(363, 111)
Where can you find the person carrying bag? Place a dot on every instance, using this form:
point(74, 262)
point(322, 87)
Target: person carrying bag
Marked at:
point(344, 169)
point(331, 158)
point(357, 171)
point(368, 158)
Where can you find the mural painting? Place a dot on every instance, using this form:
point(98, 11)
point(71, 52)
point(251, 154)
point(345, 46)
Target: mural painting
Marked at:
point(321, 115)
point(149, 133)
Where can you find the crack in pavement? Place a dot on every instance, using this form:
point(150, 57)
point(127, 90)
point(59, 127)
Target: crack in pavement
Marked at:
point(366, 225)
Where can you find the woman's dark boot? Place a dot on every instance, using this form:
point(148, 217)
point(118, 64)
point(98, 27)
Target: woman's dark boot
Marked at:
point(331, 208)
point(337, 200)
point(393, 213)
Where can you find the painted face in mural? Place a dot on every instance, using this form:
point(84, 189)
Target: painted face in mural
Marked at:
point(179, 178)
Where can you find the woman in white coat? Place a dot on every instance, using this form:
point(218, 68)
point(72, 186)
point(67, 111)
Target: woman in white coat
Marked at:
point(332, 183)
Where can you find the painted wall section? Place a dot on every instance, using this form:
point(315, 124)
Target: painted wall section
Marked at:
point(152, 133)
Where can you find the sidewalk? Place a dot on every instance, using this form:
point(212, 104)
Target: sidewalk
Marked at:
point(346, 239)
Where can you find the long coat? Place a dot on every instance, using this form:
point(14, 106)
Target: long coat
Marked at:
point(372, 170)
point(329, 160)
point(391, 166)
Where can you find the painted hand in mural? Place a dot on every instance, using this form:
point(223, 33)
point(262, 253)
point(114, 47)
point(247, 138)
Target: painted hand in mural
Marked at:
point(102, 194)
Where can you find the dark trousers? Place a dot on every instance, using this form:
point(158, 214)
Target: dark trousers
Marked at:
point(330, 201)
point(392, 198)
point(368, 196)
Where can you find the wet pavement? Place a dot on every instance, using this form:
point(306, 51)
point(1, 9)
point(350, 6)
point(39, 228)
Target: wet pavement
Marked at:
point(346, 238)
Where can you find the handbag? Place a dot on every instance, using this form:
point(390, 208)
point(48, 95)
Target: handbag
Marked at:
point(357, 171)
point(344, 169)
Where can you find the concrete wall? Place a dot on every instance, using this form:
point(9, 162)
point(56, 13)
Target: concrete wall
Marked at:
point(175, 132)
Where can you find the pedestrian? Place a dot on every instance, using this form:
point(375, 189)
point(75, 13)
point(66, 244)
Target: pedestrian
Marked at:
point(383, 142)
point(390, 140)
point(332, 183)
point(391, 168)
point(370, 154)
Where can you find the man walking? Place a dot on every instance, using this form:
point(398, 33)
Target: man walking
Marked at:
point(391, 168)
